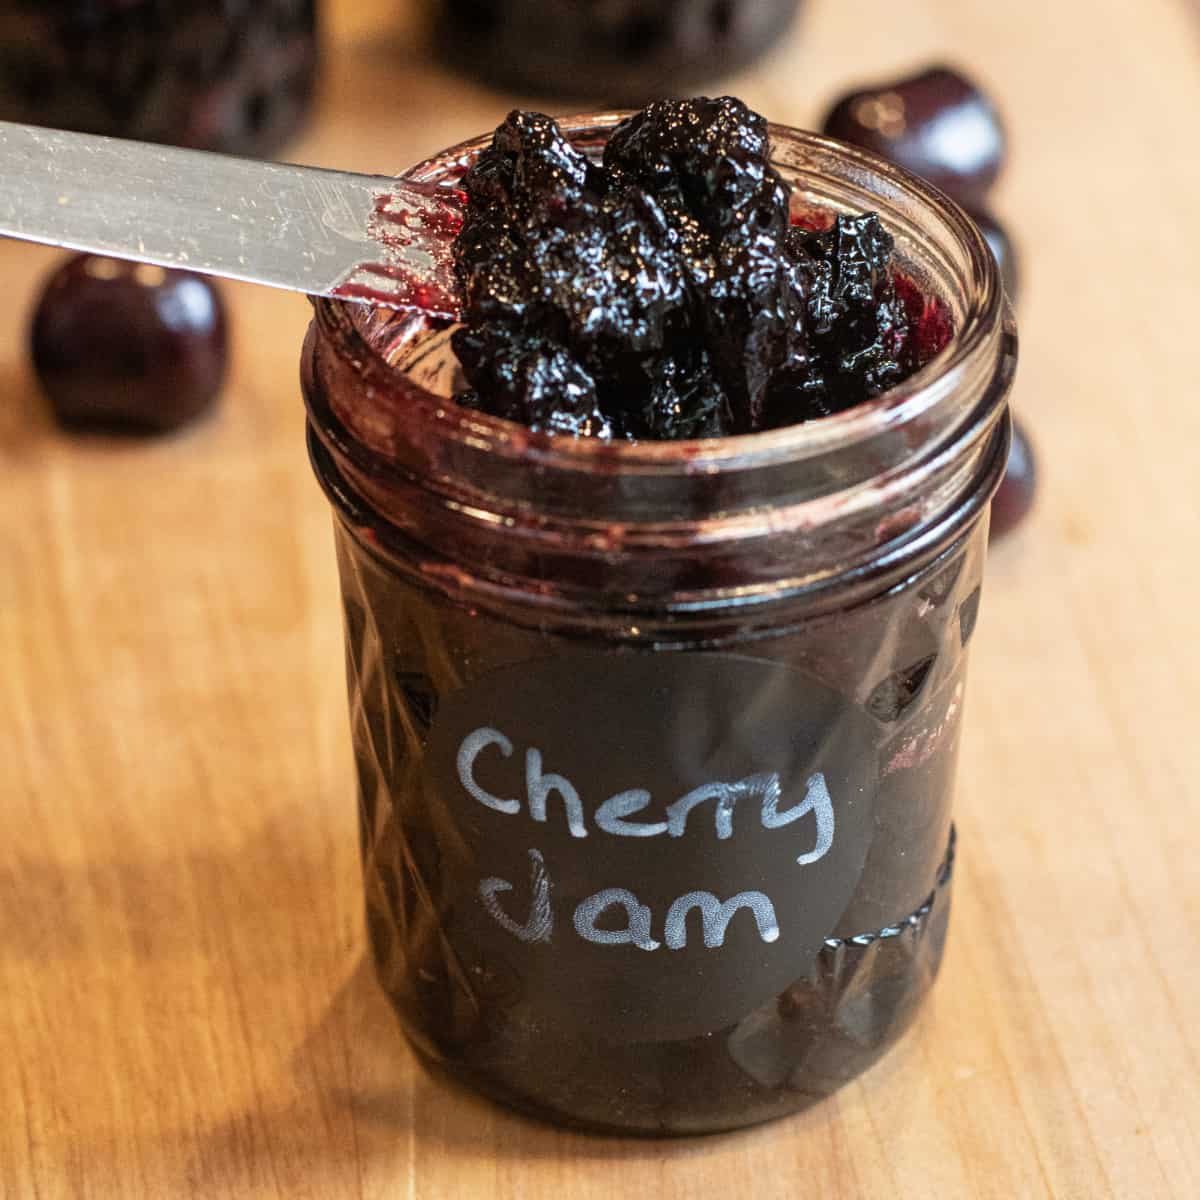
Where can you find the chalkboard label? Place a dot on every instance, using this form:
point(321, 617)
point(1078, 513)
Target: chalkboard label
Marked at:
point(653, 844)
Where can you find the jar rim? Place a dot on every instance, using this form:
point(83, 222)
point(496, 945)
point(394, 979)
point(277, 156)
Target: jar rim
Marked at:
point(489, 508)
point(898, 406)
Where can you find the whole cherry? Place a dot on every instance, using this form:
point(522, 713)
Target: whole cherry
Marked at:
point(1014, 498)
point(1003, 249)
point(937, 124)
point(125, 345)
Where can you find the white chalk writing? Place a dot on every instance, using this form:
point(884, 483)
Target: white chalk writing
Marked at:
point(627, 920)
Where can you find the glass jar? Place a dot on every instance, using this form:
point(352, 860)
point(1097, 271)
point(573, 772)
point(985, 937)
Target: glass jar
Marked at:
point(622, 53)
point(229, 75)
point(656, 742)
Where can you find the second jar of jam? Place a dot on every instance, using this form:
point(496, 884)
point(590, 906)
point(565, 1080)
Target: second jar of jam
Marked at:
point(656, 742)
point(229, 75)
point(616, 51)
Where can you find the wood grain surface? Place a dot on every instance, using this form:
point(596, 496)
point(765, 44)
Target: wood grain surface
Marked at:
point(185, 1010)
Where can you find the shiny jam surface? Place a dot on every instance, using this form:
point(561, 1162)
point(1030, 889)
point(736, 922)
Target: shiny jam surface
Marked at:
point(665, 292)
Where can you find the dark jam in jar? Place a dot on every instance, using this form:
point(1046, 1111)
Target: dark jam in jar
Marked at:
point(613, 51)
point(229, 75)
point(669, 291)
point(656, 739)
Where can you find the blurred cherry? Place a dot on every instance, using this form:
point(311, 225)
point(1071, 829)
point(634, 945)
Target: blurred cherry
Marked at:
point(937, 124)
point(1002, 248)
point(1014, 498)
point(125, 345)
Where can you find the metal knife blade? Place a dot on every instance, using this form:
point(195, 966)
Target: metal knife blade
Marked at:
point(369, 238)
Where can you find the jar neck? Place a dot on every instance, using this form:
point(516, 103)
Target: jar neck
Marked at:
point(851, 502)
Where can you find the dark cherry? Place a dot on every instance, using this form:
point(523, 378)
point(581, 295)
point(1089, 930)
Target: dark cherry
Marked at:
point(1003, 248)
point(937, 124)
point(1015, 496)
point(125, 345)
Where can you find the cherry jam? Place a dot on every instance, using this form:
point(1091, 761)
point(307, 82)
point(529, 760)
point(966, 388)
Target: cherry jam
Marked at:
point(666, 292)
point(656, 739)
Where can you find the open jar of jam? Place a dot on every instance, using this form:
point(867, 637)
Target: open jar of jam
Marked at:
point(623, 52)
point(229, 75)
point(656, 741)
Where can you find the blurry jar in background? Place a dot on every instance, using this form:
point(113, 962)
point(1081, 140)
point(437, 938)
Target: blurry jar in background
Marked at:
point(614, 51)
point(229, 75)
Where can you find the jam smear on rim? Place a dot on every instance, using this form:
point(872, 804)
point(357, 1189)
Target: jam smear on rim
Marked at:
point(393, 278)
point(667, 291)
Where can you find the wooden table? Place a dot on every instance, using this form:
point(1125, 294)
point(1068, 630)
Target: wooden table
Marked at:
point(184, 1004)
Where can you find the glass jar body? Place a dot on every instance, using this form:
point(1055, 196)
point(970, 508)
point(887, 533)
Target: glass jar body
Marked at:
point(900, 657)
point(217, 75)
point(656, 743)
point(619, 53)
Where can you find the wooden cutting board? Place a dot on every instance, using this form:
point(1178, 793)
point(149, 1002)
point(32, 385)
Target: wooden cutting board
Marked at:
point(184, 1005)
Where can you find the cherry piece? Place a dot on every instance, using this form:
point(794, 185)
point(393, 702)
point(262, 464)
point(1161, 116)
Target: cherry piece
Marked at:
point(1002, 248)
point(937, 124)
point(125, 345)
point(1014, 497)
